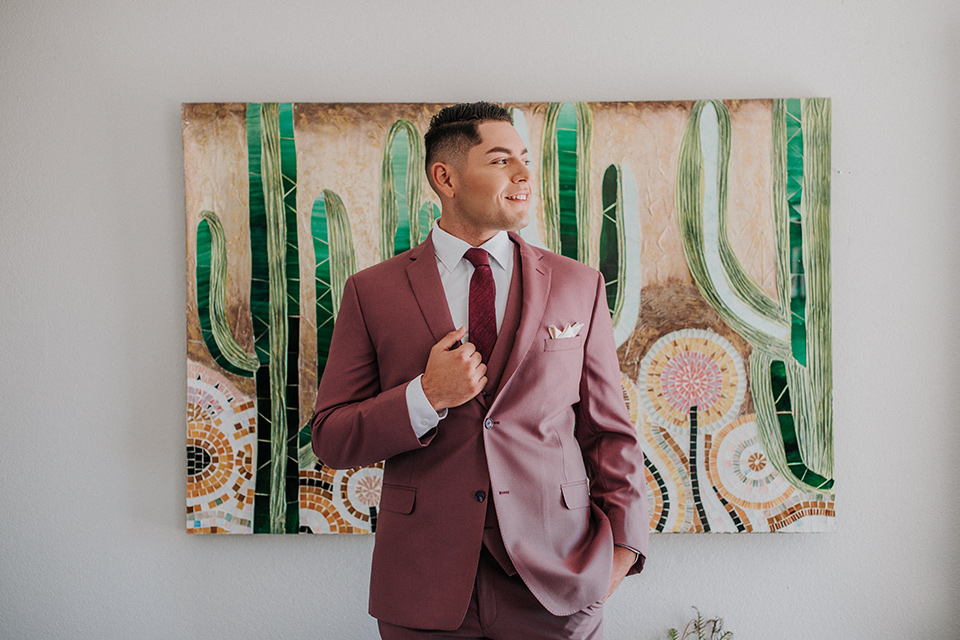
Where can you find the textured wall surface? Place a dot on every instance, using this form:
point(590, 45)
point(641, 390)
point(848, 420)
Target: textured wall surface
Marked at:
point(92, 337)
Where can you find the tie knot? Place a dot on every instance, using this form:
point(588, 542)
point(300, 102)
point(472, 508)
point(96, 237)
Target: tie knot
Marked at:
point(477, 257)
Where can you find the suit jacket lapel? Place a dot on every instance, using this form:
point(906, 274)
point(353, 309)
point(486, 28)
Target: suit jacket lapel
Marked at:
point(428, 289)
point(536, 289)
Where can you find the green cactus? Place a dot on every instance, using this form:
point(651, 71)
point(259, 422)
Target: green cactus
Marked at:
point(335, 260)
point(788, 183)
point(212, 298)
point(333, 248)
point(790, 364)
point(565, 186)
point(565, 178)
point(620, 249)
point(404, 220)
point(274, 308)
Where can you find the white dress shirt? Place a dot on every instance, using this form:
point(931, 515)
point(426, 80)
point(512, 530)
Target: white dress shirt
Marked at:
point(455, 274)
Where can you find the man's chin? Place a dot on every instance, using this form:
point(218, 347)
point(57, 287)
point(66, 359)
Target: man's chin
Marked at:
point(521, 223)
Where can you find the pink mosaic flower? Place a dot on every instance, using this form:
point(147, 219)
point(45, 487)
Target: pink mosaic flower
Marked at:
point(692, 368)
point(691, 379)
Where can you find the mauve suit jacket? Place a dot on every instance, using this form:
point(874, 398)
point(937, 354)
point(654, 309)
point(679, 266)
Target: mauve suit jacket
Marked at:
point(551, 444)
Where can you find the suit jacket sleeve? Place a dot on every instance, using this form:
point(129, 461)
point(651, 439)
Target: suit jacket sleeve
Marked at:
point(355, 422)
point(608, 438)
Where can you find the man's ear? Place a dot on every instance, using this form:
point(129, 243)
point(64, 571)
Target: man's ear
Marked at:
point(443, 178)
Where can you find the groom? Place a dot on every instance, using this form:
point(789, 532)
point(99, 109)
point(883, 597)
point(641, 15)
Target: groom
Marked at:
point(483, 371)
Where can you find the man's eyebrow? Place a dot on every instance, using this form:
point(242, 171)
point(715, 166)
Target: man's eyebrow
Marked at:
point(505, 150)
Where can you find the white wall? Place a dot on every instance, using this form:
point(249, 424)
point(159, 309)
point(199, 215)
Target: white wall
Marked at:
point(92, 339)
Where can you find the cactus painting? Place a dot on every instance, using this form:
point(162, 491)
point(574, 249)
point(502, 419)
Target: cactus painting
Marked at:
point(708, 220)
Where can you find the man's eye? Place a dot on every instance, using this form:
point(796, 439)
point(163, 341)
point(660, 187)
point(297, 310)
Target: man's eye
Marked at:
point(526, 163)
point(500, 161)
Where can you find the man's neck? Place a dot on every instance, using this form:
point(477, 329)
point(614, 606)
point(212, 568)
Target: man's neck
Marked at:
point(473, 237)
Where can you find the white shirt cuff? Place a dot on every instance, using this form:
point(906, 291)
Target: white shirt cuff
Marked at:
point(631, 549)
point(423, 417)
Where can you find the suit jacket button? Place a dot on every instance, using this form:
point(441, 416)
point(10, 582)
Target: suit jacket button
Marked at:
point(480, 496)
point(488, 423)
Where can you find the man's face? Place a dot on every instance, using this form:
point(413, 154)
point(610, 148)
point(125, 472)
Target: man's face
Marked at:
point(493, 190)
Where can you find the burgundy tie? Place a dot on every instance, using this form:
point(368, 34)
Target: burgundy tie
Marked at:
point(483, 310)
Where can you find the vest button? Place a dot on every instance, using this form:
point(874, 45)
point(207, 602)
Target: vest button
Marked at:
point(488, 423)
point(480, 496)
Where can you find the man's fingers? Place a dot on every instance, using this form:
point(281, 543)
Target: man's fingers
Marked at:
point(451, 338)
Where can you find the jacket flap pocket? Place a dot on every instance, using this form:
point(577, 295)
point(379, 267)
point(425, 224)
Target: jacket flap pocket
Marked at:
point(397, 498)
point(576, 495)
point(561, 344)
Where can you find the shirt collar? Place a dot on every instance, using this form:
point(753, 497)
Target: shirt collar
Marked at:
point(450, 249)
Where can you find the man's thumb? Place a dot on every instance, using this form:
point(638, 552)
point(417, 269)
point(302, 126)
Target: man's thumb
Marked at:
point(451, 338)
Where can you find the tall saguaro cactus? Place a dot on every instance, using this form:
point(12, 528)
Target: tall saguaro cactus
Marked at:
point(274, 307)
point(790, 364)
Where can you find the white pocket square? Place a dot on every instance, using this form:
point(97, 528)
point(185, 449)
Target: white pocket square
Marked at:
point(569, 331)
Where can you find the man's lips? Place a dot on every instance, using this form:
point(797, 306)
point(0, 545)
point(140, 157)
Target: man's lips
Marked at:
point(519, 197)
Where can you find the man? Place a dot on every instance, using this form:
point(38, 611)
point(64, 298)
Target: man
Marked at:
point(513, 499)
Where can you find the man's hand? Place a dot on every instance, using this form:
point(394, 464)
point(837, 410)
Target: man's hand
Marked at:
point(623, 559)
point(454, 374)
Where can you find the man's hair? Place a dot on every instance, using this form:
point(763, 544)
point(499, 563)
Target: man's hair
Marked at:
point(453, 131)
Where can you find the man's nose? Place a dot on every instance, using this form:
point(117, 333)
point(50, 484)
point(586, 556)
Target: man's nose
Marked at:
point(523, 173)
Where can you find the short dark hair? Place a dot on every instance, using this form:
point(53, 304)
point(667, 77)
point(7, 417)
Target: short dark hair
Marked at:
point(454, 129)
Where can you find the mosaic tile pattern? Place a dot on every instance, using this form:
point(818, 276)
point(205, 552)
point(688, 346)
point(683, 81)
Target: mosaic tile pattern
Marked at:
point(715, 478)
point(340, 501)
point(221, 454)
point(740, 470)
point(692, 368)
point(808, 515)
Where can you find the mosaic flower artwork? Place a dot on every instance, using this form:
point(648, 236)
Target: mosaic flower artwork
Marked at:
point(221, 439)
point(709, 221)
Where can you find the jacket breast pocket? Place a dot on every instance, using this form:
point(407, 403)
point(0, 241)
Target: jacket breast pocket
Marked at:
point(562, 344)
point(576, 495)
point(397, 498)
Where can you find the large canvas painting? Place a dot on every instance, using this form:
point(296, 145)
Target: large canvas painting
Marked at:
point(710, 221)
